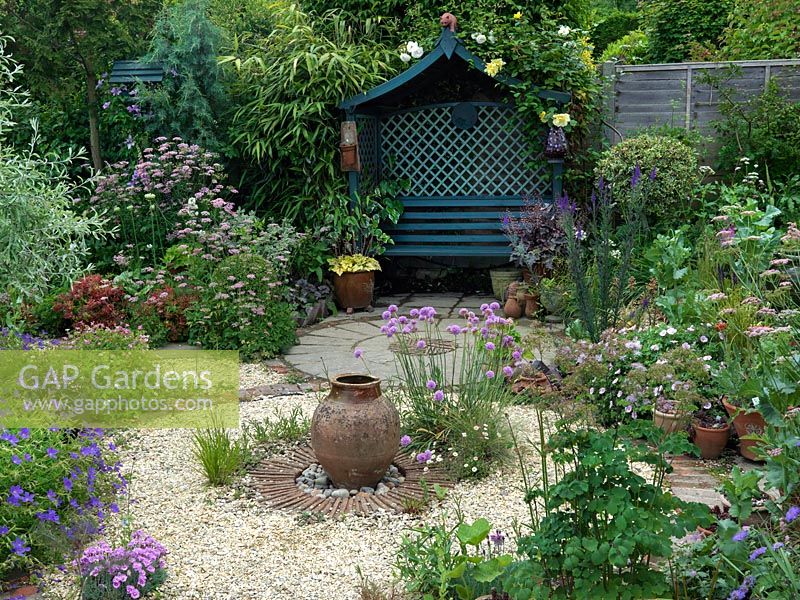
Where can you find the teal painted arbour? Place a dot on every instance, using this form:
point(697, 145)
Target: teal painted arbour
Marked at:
point(453, 133)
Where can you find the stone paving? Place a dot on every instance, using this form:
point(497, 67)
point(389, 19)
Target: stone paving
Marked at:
point(327, 347)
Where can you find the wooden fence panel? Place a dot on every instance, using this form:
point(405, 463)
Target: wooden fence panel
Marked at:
point(680, 95)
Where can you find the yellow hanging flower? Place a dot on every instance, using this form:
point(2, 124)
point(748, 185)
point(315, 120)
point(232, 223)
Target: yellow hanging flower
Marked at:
point(517, 15)
point(586, 58)
point(561, 119)
point(495, 66)
point(543, 116)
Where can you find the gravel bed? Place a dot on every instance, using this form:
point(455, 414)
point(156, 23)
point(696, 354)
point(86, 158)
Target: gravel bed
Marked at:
point(225, 544)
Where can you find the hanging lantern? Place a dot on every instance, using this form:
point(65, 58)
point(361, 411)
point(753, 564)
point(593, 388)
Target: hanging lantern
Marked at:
point(556, 146)
point(348, 147)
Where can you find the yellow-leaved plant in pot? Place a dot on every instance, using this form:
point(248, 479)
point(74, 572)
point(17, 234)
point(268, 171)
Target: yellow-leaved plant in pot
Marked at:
point(358, 239)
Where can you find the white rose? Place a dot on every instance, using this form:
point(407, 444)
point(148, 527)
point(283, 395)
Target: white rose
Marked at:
point(417, 52)
point(405, 57)
point(480, 38)
point(564, 31)
point(411, 46)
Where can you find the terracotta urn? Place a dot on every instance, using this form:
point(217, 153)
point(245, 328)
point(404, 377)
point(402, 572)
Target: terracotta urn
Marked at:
point(531, 305)
point(355, 431)
point(711, 441)
point(670, 422)
point(354, 290)
point(512, 308)
point(745, 423)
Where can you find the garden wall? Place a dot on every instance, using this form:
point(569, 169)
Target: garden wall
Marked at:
point(680, 95)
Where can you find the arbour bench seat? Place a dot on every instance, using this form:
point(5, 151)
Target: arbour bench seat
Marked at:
point(466, 226)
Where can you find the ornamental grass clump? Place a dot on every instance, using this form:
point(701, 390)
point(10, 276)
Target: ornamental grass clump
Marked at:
point(454, 399)
point(122, 573)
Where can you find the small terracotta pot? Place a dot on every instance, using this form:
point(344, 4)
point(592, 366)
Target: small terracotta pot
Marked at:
point(531, 305)
point(512, 308)
point(746, 424)
point(512, 290)
point(710, 441)
point(670, 422)
point(354, 290)
point(355, 431)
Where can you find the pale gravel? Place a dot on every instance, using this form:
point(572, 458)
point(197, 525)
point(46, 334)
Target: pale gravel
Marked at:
point(226, 544)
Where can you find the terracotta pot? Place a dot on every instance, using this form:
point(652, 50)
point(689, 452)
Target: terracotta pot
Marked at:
point(355, 431)
point(670, 422)
point(511, 290)
point(531, 305)
point(710, 441)
point(512, 308)
point(745, 424)
point(354, 290)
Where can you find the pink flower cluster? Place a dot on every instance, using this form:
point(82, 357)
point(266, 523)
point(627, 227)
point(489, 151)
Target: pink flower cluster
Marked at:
point(128, 567)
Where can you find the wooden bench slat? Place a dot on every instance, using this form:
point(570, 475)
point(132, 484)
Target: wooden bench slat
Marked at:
point(446, 226)
point(447, 250)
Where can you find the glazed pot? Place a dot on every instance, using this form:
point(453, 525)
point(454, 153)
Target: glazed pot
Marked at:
point(355, 431)
point(501, 279)
point(670, 422)
point(710, 441)
point(354, 290)
point(745, 424)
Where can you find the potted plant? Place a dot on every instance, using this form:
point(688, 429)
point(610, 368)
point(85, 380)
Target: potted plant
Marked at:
point(536, 238)
point(501, 278)
point(552, 296)
point(678, 383)
point(710, 429)
point(512, 307)
point(747, 421)
point(358, 239)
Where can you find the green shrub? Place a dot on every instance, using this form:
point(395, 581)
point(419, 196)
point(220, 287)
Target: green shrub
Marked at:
point(677, 174)
point(630, 49)
point(675, 27)
point(612, 28)
point(765, 129)
point(243, 308)
point(762, 30)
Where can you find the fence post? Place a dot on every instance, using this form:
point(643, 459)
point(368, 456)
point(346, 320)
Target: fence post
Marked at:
point(610, 93)
point(689, 72)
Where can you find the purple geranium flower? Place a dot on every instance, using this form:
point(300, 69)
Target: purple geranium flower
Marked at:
point(19, 547)
point(792, 514)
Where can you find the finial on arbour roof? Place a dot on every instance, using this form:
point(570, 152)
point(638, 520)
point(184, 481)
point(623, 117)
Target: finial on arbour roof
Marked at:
point(448, 20)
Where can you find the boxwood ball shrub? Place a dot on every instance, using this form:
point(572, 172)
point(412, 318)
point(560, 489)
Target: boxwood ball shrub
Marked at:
point(677, 174)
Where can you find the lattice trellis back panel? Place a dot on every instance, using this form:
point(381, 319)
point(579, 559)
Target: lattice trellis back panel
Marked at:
point(439, 159)
point(368, 151)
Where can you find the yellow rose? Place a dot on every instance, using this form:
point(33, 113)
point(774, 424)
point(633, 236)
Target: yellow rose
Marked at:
point(561, 119)
point(495, 66)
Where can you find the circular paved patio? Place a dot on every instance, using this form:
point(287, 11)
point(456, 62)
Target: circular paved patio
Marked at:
point(327, 347)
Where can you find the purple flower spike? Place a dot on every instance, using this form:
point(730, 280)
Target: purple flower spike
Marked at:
point(653, 174)
point(405, 441)
point(637, 175)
